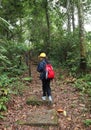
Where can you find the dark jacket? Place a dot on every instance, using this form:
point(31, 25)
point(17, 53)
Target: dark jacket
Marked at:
point(41, 69)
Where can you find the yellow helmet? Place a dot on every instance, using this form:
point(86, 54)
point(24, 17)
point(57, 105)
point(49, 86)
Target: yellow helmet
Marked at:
point(42, 55)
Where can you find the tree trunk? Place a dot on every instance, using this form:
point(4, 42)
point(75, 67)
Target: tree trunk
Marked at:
point(48, 27)
point(69, 16)
point(81, 36)
point(72, 11)
point(29, 63)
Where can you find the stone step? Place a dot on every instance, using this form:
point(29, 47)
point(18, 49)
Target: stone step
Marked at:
point(38, 128)
point(33, 100)
point(42, 119)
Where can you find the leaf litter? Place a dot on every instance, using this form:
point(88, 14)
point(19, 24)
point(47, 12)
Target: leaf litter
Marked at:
point(67, 101)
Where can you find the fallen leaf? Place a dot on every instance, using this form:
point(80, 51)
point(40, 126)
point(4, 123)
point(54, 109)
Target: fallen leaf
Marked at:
point(69, 119)
point(52, 117)
point(64, 113)
point(60, 110)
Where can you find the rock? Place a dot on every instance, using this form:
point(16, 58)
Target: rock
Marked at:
point(41, 118)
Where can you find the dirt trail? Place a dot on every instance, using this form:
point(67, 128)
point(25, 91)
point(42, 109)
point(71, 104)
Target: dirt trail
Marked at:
point(64, 97)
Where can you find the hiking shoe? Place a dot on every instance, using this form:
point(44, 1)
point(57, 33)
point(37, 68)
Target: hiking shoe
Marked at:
point(50, 98)
point(44, 98)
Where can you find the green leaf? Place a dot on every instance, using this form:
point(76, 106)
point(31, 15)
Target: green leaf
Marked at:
point(1, 116)
point(87, 122)
point(4, 107)
point(0, 106)
point(27, 78)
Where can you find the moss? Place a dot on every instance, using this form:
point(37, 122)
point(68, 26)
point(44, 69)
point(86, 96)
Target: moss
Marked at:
point(33, 101)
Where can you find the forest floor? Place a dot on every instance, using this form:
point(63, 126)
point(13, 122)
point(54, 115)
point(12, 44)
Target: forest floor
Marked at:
point(65, 97)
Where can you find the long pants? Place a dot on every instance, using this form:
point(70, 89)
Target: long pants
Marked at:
point(46, 87)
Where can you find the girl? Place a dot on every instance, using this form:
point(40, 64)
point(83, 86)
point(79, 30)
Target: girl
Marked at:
point(45, 82)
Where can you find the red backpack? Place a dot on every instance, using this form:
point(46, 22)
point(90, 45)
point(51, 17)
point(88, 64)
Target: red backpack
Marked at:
point(50, 74)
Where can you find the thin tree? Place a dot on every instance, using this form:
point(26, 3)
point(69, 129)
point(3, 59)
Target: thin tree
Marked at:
point(48, 26)
point(73, 17)
point(69, 15)
point(81, 36)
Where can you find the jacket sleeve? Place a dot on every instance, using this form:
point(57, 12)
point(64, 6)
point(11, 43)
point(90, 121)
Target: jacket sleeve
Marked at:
point(40, 67)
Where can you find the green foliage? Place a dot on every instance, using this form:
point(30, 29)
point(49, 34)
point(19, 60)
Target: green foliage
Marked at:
point(5, 24)
point(87, 122)
point(9, 86)
point(64, 50)
point(5, 80)
point(4, 98)
point(84, 84)
point(4, 94)
point(3, 58)
point(6, 89)
point(3, 102)
point(27, 79)
point(12, 57)
point(88, 45)
point(1, 116)
point(17, 87)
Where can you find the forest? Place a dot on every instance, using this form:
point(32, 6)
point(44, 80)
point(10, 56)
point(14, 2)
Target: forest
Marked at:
point(57, 28)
